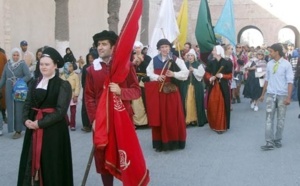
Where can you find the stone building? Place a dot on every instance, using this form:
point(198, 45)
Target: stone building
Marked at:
point(35, 21)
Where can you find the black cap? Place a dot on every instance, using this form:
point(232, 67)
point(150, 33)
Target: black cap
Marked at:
point(105, 35)
point(23, 43)
point(54, 55)
point(163, 42)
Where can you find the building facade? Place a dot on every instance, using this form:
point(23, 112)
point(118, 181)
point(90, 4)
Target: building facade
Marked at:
point(34, 21)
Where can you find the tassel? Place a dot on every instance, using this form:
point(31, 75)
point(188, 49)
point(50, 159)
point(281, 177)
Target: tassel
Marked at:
point(36, 178)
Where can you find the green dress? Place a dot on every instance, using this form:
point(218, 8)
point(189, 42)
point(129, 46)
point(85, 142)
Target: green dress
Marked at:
point(199, 91)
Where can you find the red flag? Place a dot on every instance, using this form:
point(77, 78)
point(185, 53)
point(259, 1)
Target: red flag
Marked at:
point(114, 129)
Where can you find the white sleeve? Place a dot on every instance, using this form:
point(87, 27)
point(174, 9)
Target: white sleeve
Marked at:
point(183, 73)
point(150, 72)
point(199, 72)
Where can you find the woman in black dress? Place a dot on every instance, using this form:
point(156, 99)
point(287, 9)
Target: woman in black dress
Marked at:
point(46, 155)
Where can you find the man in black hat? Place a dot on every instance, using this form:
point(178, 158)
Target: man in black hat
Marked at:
point(164, 106)
point(278, 85)
point(95, 79)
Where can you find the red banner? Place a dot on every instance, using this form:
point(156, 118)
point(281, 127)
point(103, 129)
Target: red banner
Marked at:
point(114, 129)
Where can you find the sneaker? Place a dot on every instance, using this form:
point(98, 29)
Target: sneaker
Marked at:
point(277, 143)
point(1, 132)
point(86, 129)
point(268, 146)
point(255, 108)
point(17, 135)
point(252, 105)
point(73, 128)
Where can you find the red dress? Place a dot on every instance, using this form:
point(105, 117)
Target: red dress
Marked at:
point(165, 116)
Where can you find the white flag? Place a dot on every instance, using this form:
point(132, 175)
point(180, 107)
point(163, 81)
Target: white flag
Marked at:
point(166, 26)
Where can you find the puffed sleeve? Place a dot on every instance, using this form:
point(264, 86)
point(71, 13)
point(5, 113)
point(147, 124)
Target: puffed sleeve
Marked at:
point(150, 72)
point(199, 72)
point(27, 104)
point(132, 91)
point(183, 73)
point(63, 101)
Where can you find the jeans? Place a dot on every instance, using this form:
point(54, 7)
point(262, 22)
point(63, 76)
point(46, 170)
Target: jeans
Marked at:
point(274, 103)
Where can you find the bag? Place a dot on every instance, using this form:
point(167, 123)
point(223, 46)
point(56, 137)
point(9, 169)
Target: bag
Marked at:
point(169, 88)
point(20, 90)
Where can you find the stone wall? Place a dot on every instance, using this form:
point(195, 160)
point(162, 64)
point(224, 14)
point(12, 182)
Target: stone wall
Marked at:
point(34, 20)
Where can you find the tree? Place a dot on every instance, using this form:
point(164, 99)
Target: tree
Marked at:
point(62, 36)
point(113, 8)
point(145, 23)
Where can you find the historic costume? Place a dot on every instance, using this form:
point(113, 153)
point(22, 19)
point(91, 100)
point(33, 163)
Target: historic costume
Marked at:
point(138, 105)
point(164, 107)
point(46, 157)
point(192, 93)
point(110, 85)
point(218, 108)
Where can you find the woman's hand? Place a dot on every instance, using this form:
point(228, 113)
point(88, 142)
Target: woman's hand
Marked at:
point(161, 78)
point(170, 73)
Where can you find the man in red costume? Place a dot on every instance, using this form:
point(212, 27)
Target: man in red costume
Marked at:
point(97, 73)
point(164, 105)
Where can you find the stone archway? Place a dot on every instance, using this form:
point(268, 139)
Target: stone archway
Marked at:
point(257, 32)
point(295, 31)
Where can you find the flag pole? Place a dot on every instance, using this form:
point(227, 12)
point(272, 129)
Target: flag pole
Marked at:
point(88, 167)
point(162, 30)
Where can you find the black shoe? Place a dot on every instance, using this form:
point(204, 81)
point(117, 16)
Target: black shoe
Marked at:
point(299, 116)
point(268, 146)
point(277, 143)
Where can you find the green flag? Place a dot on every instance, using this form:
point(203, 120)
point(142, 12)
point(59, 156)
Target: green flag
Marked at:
point(204, 31)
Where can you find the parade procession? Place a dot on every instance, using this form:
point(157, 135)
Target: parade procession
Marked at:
point(149, 92)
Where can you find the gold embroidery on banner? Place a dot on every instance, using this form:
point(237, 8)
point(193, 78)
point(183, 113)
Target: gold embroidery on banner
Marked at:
point(118, 104)
point(123, 160)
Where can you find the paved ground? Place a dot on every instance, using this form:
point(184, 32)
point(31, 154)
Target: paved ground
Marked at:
point(209, 159)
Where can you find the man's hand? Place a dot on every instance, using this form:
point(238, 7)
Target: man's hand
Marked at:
point(287, 101)
point(114, 88)
point(261, 99)
point(191, 69)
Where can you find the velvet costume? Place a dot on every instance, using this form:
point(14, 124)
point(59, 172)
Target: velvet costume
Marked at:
point(56, 157)
point(94, 88)
point(218, 109)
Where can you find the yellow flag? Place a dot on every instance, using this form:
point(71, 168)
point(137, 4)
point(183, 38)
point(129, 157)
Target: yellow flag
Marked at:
point(182, 21)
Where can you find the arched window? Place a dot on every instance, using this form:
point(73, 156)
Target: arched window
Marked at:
point(287, 35)
point(251, 35)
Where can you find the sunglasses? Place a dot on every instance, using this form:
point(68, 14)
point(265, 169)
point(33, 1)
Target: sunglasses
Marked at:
point(238, 47)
